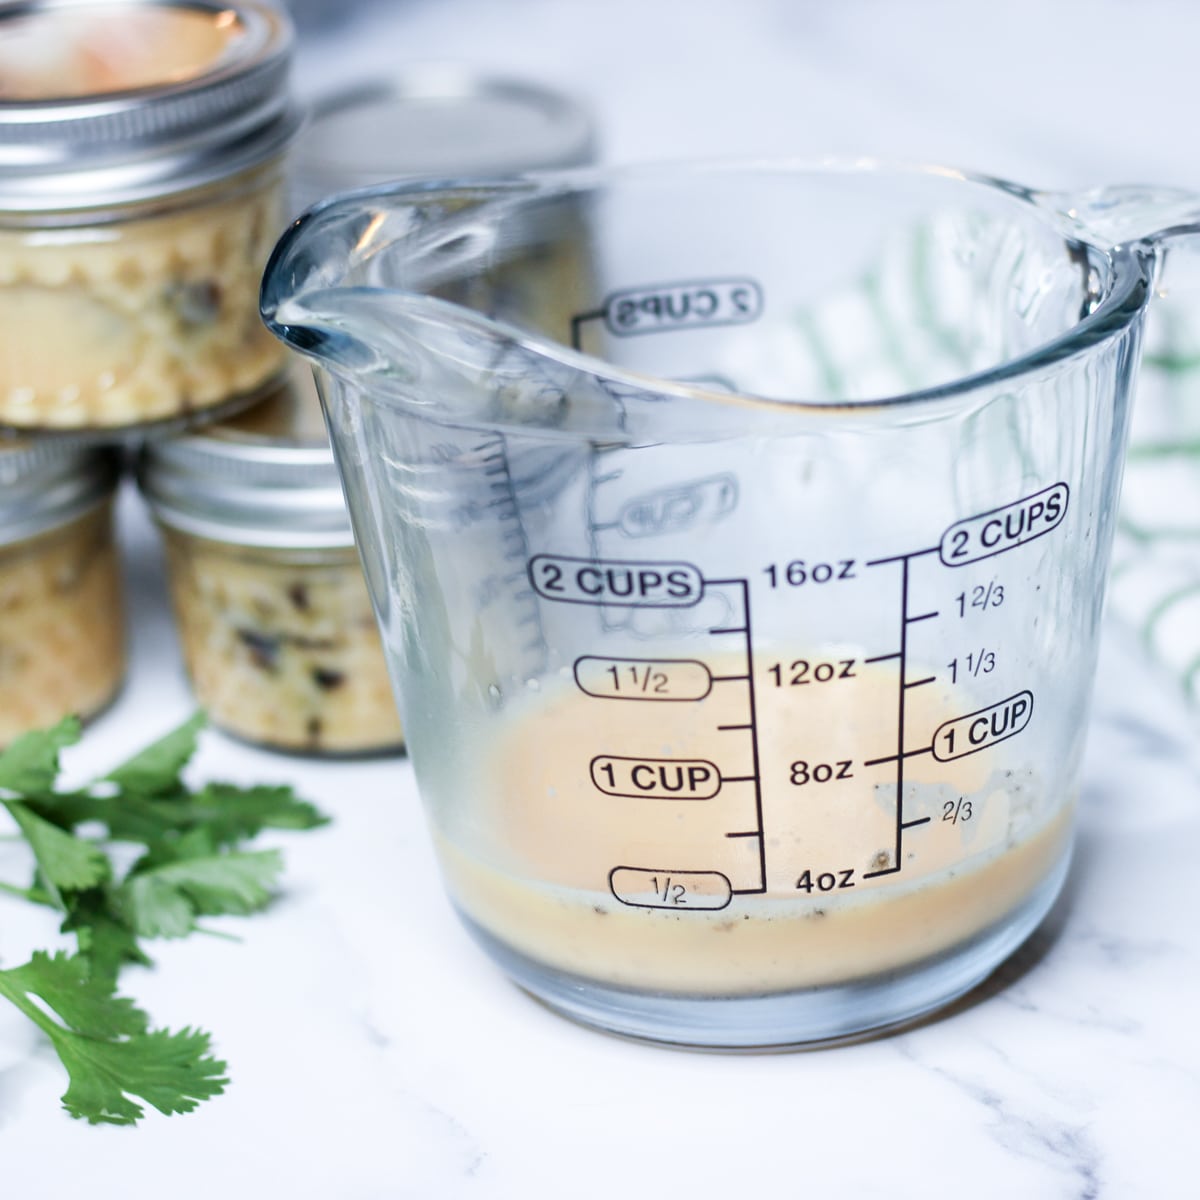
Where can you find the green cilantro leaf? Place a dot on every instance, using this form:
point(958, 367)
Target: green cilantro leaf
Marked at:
point(104, 1042)
point(103, 939)
point(230, 813)
point(66, 984)
point(163, 901)
point(171, 1071)
point(191, 865)
point(29, 766)
point(64, 862)
point(156, 769)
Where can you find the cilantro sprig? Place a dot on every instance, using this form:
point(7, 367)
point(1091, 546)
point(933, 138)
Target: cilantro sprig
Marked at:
point(188, 861)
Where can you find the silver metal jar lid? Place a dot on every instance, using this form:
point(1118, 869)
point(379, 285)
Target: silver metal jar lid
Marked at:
point(112, 101)
point(45, 484)
point(266, 478)
point(437, 121)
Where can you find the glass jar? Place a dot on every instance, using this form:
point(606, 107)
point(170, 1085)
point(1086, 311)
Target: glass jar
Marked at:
point(141, 190)
point(62, 633)
point(437, 121)
point(447, 121)
point(276, 627)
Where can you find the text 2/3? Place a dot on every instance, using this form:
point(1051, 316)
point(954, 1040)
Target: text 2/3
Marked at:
point(957, 810)
point(798, 572)
point(802, 672)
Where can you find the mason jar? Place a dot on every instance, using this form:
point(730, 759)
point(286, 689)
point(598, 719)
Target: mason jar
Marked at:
point(141, 189)
point(275, 624)
point(62, 625)
point(449, 121)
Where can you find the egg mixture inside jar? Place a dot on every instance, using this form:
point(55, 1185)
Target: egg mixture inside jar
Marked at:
point(141, 189)
point(275, 623)
point(62, 631)
point(141, 320)
point(282, 648)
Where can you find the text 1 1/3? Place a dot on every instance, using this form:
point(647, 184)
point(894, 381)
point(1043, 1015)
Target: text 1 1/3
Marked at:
point(978, 662)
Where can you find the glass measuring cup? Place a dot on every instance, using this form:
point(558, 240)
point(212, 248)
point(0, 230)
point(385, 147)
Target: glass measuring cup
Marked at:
point(737, 536)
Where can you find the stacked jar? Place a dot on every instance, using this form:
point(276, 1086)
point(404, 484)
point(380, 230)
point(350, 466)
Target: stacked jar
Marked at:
point(62, 635)
point(141, 189)
point(142, 186)
point(274, 619)
point(280, 640)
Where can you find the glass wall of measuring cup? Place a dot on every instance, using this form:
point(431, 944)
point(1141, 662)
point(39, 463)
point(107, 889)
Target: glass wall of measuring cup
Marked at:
point(742, 595)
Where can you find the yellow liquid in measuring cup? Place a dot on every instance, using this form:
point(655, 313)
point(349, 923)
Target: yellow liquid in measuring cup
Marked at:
point(663, 846)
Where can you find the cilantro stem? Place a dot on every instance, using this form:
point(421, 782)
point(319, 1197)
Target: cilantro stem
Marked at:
point(34, 895)
point(217, 933)
point(18, 997)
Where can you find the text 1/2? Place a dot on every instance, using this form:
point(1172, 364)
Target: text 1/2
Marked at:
point(667, 891)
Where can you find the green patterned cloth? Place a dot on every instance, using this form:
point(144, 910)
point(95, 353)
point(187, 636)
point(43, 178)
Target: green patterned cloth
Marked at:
point(1155, 586)
point(897, 328)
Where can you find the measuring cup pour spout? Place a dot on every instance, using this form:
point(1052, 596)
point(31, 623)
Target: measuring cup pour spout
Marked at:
point(450, 300)
point(328, 293)
point(737, 535)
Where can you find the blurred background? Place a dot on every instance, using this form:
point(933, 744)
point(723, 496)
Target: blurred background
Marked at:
point(1058, 93)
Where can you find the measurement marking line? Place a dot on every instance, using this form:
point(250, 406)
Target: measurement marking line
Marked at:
point(728, 728)
point(736, 629)
point(577, 322)
point(891, 758)
point(745, 833)
point(738, 778)
point(923, 617)
point(728, 678)
point(922, 682)
point(882, 658)
point(755, 764)
point(758, 891)
point(918, 821)
point(879, 562)
point(876, 874)
point(904, 623)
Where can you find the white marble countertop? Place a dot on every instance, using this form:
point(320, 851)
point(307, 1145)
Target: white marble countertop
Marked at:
point(375, 1053)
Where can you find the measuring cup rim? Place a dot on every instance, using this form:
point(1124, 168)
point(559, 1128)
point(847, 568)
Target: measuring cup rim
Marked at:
point(1123, 301)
